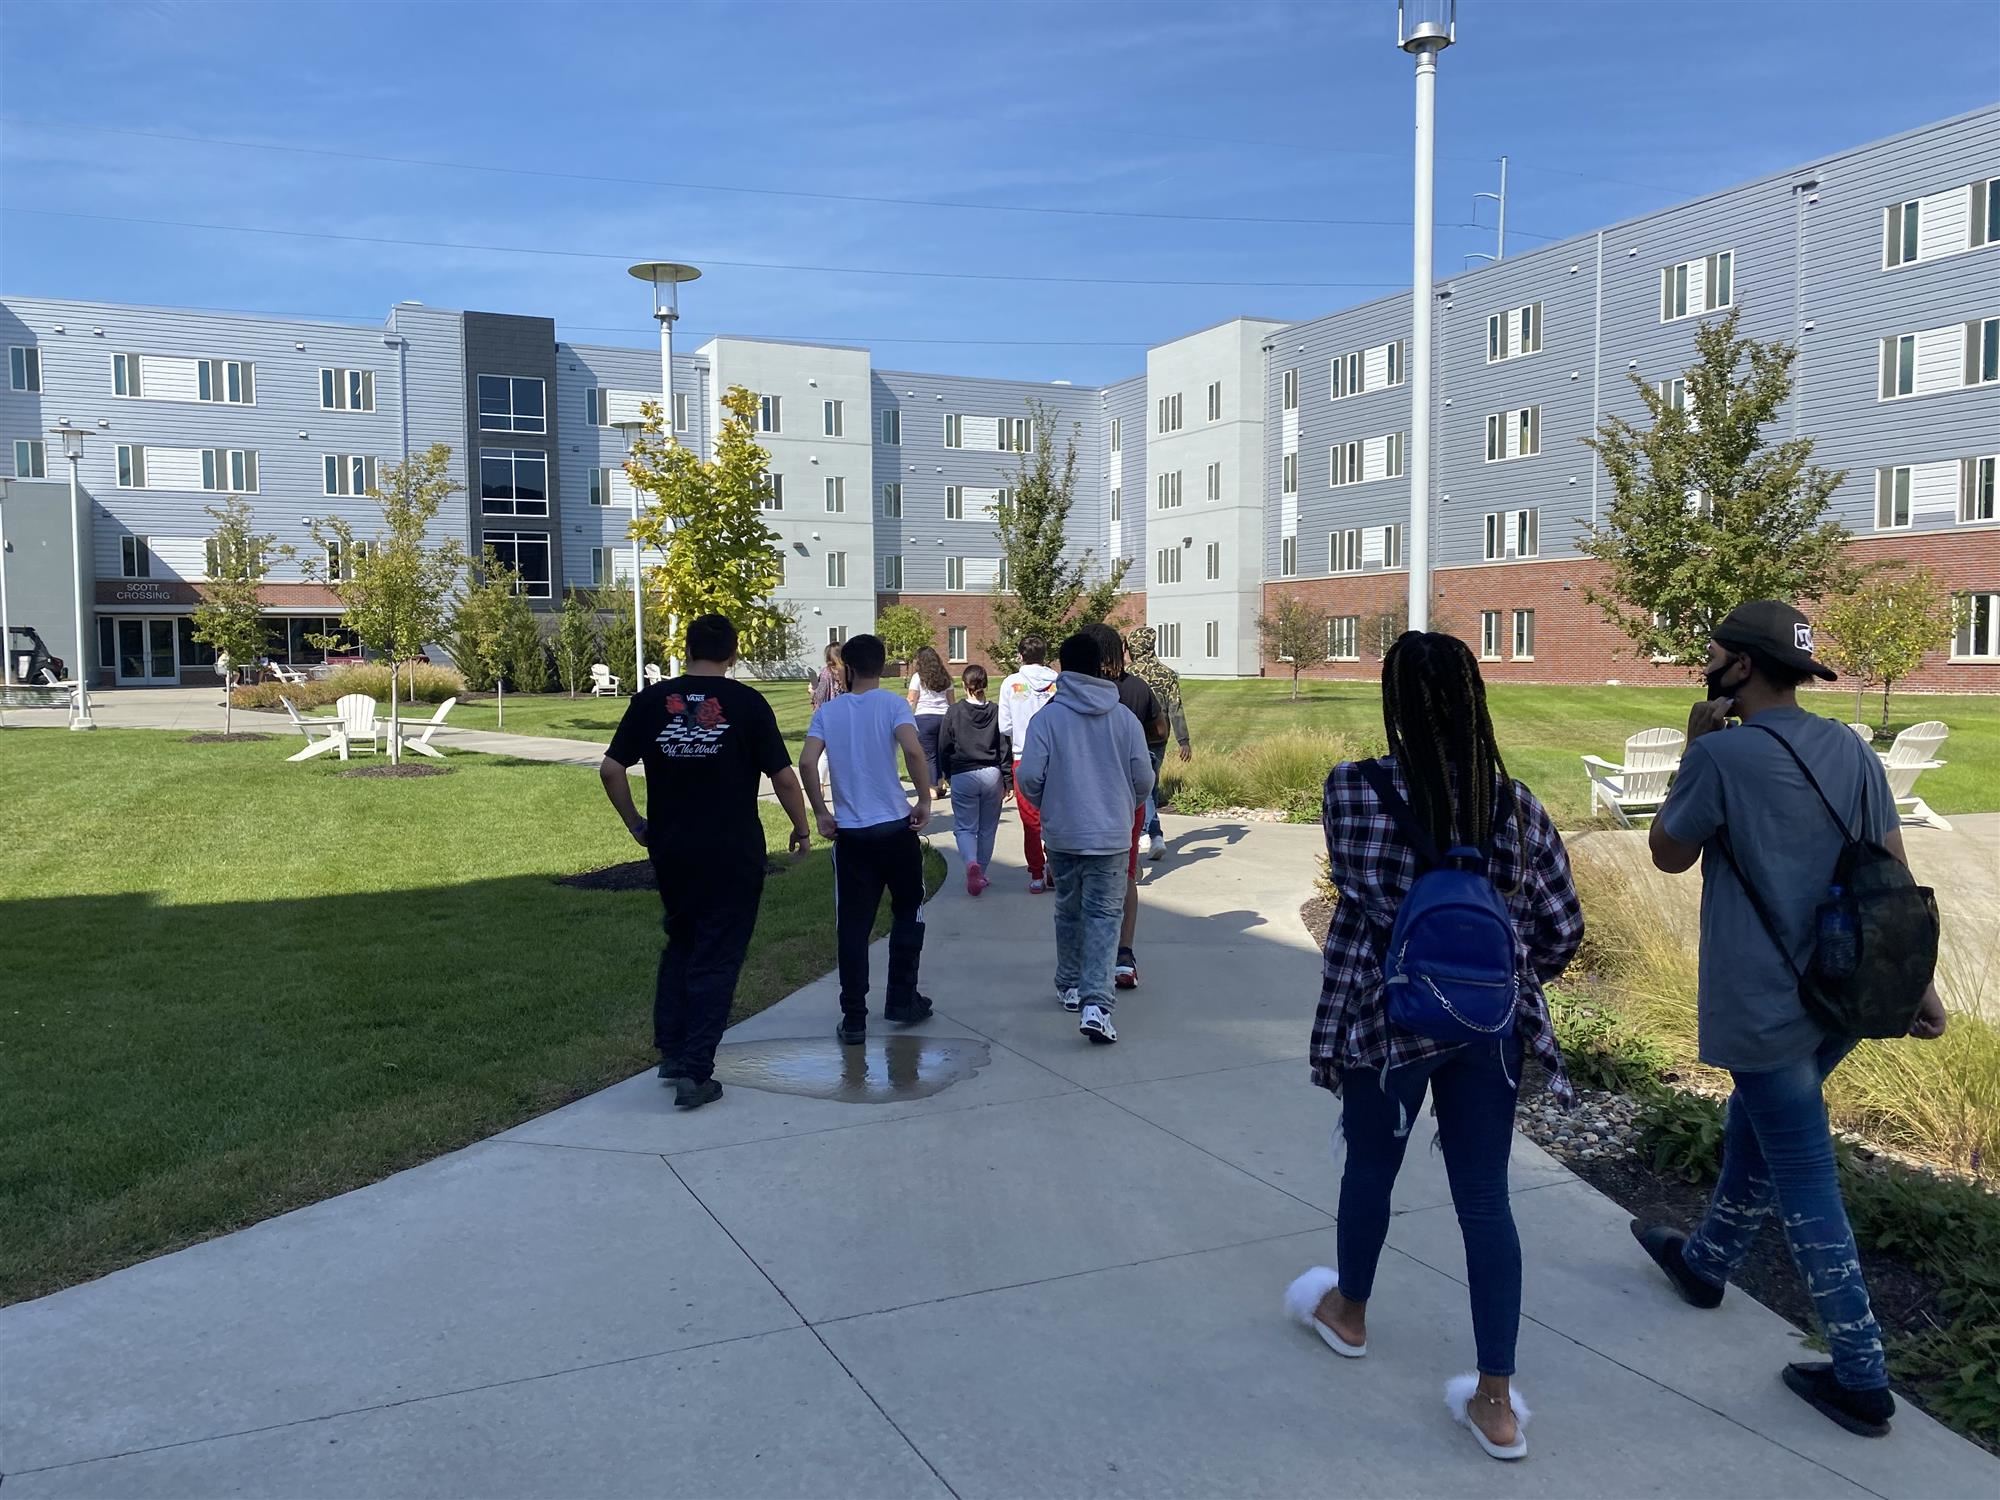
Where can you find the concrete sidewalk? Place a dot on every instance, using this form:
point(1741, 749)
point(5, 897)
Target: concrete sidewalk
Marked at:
point(1061, 1275)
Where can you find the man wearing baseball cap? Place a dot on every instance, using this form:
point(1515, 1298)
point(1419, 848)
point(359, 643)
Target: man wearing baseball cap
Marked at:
point(1741, 793)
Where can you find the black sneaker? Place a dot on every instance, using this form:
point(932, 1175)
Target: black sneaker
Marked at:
point(1864, 1413)
point(691, 1095)
point(1125, 973)
point(852, 1033)
point(921, 1011)
point(670, 1072)
point(1665, 1246)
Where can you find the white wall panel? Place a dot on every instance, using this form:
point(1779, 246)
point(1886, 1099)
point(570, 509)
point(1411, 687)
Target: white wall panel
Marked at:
point(165, 379)
point(982, 432)
point(1934, 488)
point(1944, 222)
point(1941, 358)
point(181, 556)
point(173, 468)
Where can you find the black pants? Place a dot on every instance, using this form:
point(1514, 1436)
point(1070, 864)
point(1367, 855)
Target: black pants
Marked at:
point(865, 861)
point(710, 915)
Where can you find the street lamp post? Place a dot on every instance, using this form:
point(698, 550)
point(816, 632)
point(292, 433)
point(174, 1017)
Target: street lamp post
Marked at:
point(6, 635)
point(664, 276)
point(1424, 28)
point(72, 445)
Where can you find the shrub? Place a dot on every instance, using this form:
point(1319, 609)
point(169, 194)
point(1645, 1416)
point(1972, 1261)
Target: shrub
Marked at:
point(1602, 1051)
point(419, 684)
point(1282, 771)
point(1681, 1134)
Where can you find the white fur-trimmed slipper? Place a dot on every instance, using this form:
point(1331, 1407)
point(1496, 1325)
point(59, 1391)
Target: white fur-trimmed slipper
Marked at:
point(1458, 1393)
point(1302, 1300)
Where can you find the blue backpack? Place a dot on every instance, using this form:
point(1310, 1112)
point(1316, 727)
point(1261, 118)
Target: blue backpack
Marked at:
point(1450, 971)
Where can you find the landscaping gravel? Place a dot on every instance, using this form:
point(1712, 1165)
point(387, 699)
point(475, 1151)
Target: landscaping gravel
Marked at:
point(1599, 1128)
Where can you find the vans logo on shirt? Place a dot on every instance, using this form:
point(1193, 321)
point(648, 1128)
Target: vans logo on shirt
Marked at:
point(695, 726)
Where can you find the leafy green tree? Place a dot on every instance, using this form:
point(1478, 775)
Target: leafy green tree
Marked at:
point(904, 630)
point(1377, 632)
point(1880, 630)
point(1293, 634)
point(492, 624)
point(578, 641)
point(397, 586)
point(1038, 591)
point(613, 603)
point(1706, 511)
point(230, 617)
point(779, 644)
point(706, 521)
point(527, 653)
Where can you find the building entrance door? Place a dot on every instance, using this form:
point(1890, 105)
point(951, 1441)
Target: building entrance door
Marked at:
point(146, 652)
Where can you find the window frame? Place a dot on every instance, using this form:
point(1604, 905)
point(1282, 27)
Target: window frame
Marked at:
point(1966, 642)
point(516, 421)
point(956, 643)
point(835, 489)
point(1343, 630)
point(892, 572)
point(833, 416)
point(1289, 397)
point(892, 501)
point(774, 490)
point(1902, 233)
point(1514, 634)
point(1892, 497)
point(135, 556)
point(24, 369)
point(1288, 557)
point(954, 429)
point(1215, 401)
point(510, 505)
point(1212, 562)
point(341, 468)
point(1489, 635)
point(1893, 364)
point(1215, 480)
point(1982, 364)
point(770, 412)
point(1343, 550)
point(514, 541)
point(1979, 487)
point(954, 575)
point(836, 564)
point(1211, 640)
point(892, 427)
point(954, 502)
point(31, 458)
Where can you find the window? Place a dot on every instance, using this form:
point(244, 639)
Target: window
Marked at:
point(527, 553)
point(1982, 352)
point(1986, 212)
point(1344, 376)
point(954, 430)
point(1342, 637)
point(1975, 488)
point(131, 467)
point(135, 557)
point(1674, 292)
point(1395, 354)
point(680, 411)
point(1291, 473)
point(229, 382)
point(30, 458)
point(1343, 464)
point(1899, 366)
point(354, 390)
point(1899, 233)
point(125, 375)
point(954, 502)
point(1892, 498)
point(1393, 456)
point(1117, 434)
point(600, 567)
point(1167, 491)
point(1167, 565)
point(1013, 435)
point(836, 494)
point(1291, 390)
point(350, 474)
point(1978, 634)
point(24, 367)
point(892, 571)
point(1169, 639)
point(835, 634)
point(511, 403)
point(1214, 560)
point(233, 470)
point(774, 492)
point(1392, 545)
point(834, 418)
point(1513, 333)
point(1169, 413)
point(778, 557)
point(836, 570)
point(1513, 434)
point(892, 427)
point(513, 482)
point(1715, 277)
point(1288, 557)
point(1211, 639)
point(1721, 291)
point(599, 481)
point(1674, 393)
point(1215, 401)
point(954, 573)
point(1489, 635)
point(1524, 635)
point(339, 560)
point(954, 642)
point(1343, 551)
point(1513, 533)
point(892, 501)
point(596, 409)
point(770, 414)
point(1117, 502)
point(1215, 481)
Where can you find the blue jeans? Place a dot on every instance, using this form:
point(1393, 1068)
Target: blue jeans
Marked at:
point(1475, 1088)
point(975, 813)
point(1159, 754)
point(1090, 903)
point(1777, 1147)
point(928, 726)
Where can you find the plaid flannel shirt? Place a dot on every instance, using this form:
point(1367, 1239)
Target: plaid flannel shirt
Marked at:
point(1373, 869)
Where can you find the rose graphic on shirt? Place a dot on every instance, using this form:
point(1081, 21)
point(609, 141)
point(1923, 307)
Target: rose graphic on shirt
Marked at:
point(694, 726)
point(676, 704)
point(709, 715)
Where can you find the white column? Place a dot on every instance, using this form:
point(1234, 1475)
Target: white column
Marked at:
point(666, 317)
point(1420, 347)
point(80, 717)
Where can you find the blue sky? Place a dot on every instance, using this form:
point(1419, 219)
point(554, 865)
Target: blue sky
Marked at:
point(1208, 114)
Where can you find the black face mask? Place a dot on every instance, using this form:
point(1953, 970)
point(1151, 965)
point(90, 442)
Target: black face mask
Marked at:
point(1714, 679)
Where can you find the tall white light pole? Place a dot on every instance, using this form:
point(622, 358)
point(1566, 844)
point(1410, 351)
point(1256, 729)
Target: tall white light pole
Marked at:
point(6, 635)
point(664, 276)
point(72, 444)
point(1424, 28)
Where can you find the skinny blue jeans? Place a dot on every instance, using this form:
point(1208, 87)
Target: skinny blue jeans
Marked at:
point(1475, 1087)
point(1777, 1148)
point(1090, 904)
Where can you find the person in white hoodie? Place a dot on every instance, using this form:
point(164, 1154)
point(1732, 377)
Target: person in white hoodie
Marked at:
point(1022, 696)
point(1087, 768)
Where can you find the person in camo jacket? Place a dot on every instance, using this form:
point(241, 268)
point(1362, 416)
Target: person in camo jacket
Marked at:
point(1166, 685)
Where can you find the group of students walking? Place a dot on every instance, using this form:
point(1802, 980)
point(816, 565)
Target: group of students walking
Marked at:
point(1456, 908)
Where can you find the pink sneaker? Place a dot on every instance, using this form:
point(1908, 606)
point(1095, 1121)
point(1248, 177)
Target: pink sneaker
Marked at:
point(975, 880)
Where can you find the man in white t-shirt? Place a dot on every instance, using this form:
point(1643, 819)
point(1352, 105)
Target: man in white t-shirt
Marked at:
point(874, 831)
point(1023, 695)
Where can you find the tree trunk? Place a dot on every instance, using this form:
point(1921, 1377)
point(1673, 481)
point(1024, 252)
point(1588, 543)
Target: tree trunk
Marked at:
point(395, 744)
point(500, 708)
point(1859, 685)
point(1295, 682)
point(1885, 704)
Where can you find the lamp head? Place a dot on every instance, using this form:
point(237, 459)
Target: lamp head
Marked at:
point(1426, 25)
point(664, 275)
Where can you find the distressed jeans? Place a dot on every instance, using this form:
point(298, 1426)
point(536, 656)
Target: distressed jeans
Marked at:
point(1090, 903)
point(1777, 1148)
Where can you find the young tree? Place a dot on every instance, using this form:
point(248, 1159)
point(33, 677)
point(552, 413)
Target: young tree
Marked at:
point(490, 621)
point(1293, 634)
point(1880, 630)
point(1705, 511)
point(1042, 593)
point(577, 641)
point(613, 606)
point(397, 585)
point(1377, 632)
point(904, 630)
point(779, 645)
point(229, 617)
point(706, 521)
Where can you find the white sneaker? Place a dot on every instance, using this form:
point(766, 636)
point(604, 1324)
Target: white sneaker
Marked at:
point(1068, 998)
point(1158, 850)
point(1097, 1025)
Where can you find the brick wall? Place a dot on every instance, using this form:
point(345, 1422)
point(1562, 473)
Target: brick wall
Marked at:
point(975, 613)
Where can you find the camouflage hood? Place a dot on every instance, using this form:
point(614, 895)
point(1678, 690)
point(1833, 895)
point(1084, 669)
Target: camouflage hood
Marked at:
point(1149, 669)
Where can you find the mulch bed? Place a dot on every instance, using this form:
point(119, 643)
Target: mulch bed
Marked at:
point(636, 875)
point(208, 737)
point(402, 771)
point(1317, 914)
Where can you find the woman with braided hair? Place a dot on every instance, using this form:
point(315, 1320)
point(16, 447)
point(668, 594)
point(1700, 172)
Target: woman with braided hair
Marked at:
point(1444, 762)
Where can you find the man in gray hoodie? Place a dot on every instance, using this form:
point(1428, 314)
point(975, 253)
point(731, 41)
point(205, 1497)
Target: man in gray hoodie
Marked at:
point(1086, 767)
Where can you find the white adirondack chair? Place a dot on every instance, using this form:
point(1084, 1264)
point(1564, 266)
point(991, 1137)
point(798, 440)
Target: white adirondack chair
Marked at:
point(1913, 752)
point(1865, 733)
point(416, 733)
point(290, 676)
point(602, 683)
point(321, 735)
point(356, 713)
point(653, 673)
point(1639, 786)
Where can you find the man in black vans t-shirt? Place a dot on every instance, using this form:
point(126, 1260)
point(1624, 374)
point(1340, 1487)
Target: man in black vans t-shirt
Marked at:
point(706, 741)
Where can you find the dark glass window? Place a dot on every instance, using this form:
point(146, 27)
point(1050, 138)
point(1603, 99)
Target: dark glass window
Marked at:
point(511, 403)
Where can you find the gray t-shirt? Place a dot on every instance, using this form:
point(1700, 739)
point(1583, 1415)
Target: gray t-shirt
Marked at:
point(1741, 779)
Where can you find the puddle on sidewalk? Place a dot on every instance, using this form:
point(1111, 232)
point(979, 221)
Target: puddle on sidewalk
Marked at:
point(886, 1070)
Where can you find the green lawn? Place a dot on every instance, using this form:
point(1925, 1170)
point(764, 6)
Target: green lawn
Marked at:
point(235, 985)
point(584, 718)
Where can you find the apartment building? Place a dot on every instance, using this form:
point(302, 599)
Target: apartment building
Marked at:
point(1249, 459)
